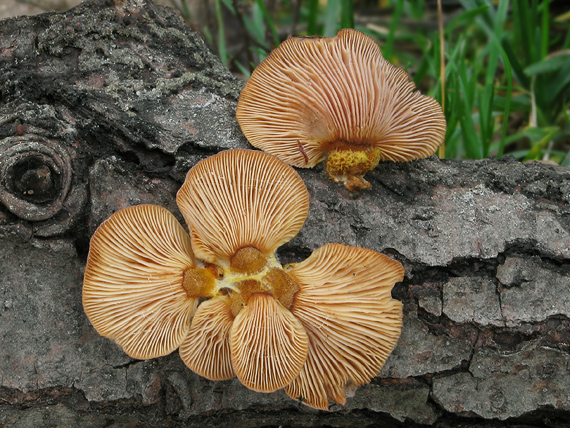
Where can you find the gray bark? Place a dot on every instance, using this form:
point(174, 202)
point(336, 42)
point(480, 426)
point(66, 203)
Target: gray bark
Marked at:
point(109, 104)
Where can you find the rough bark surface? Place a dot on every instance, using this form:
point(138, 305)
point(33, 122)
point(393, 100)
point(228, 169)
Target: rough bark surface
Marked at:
point(109, 104)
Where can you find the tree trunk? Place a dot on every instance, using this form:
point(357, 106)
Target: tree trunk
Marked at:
point(109, 104)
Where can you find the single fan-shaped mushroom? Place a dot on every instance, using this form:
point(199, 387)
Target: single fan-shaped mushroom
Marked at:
point(134, 285)
point(313, 328)
point(345, 304)
point(239, 199)
point(269, 345)
point(315, 98)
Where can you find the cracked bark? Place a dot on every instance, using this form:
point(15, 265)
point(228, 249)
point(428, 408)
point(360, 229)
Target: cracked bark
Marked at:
point(134, 99)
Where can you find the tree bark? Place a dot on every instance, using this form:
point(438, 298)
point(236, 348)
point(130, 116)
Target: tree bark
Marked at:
point(109, 104)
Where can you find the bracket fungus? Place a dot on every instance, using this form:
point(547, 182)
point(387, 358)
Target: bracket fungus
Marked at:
point(219, 294)
point(337, 98)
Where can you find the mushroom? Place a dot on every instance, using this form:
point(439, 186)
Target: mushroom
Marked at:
point(133, 288)
point(269, 345)
point(220, 295)
point(206, 349)
point(345, 305)
point(241, 198)
point(337, 98)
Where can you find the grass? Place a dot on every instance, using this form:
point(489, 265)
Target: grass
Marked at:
point(506, 69)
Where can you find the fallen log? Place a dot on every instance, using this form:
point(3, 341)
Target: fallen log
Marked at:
point(109, 104)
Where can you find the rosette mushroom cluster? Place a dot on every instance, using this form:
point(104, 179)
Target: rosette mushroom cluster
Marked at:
point(316, 98)
point(218, 293)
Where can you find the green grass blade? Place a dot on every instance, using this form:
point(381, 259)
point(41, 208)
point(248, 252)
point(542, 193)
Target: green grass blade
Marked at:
point(524, 23)
point(230, 6)
point(208, 36)
point(467, 123)
point(484, 20)
point(313, 17)
point(268, 20)
point(517, 67)
point(548, 65)
point(566, 43)
point(540, 137)
point(243, 70)
point(184, 9)
point(452, 115)
point(257, 25)
point(545, 30)
point(465, 18)
point(507, 107)
point(222, 49)
point(346, 14)
point(332, 12)
point(394, 22)
point(486, 99)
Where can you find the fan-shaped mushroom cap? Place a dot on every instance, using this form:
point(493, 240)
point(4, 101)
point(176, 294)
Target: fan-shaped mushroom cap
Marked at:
point(133, 288)
point(206, 349)
point(269, 346)
point(315, 95)
point(242, 198)
point(353, 324)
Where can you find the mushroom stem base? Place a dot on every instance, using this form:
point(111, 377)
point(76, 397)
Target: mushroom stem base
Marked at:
point(199, 282)
point(349, 166)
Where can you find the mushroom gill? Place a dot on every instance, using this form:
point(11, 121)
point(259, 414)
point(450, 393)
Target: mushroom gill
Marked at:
point(353, 323)
point(133, 286)
point(206, 349)
point(241, 198)
point(269, 345)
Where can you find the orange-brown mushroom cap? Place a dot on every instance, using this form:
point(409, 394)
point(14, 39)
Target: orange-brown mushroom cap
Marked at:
point(315, 95)
point(242, 198)
point(269, 346)
point(345, 305)
point(133, 288)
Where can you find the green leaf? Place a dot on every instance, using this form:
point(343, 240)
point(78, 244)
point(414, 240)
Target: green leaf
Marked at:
point(539, 138)
point(464, 18)
point(222, 50)
point(243, 70)
point(346, 14)
point(516, 65)
point(394, 22)
point(268, 20)
point(548, 65)
point(331, 18)
point(230, 6)
point(312, 18)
